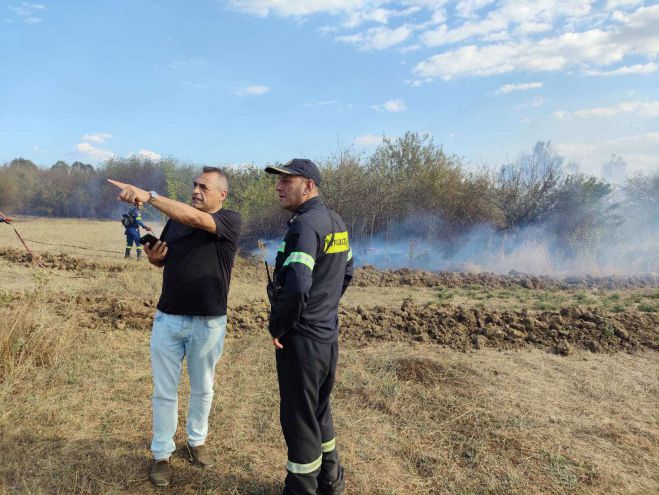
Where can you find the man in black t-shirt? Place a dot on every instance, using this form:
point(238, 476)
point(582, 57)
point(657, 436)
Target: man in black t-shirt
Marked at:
point(196, 250)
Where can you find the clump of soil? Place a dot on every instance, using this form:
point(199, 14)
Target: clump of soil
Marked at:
point(368, 276)
point(461, 328)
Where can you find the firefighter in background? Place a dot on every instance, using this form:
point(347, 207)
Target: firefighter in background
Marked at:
point(132, 221)
point(312, 271)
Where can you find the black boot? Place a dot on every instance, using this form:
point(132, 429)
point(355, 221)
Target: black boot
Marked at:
point(139, 254)
point(336, 487)
point(127, 254)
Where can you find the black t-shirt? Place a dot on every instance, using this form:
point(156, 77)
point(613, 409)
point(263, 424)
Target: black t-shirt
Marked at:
point(197, 269)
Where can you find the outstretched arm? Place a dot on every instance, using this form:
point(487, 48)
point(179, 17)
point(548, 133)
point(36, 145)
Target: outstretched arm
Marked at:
point(175, 210)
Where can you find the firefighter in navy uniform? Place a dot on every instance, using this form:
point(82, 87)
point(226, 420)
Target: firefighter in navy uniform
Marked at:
point(312, 271)
point(133, 221)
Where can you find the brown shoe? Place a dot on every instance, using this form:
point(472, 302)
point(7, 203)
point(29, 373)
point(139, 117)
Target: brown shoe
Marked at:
point(199, 455)
point(161, 473)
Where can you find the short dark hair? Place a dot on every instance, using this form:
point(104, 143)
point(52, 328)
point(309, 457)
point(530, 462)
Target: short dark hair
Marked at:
point(218, 171)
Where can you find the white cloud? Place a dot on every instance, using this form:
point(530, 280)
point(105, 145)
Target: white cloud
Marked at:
point(409, 48)
point(394, 105)
point(489, 37)
point(253, 90)
point(27, 11)
point(287, 8)
point(321, 103)
point(640, 151)
point(645, 109)
point(368, 140)
point(328, 29)
point(594, 48)
point(535, 102)
point(97, 137)
point(639, 69)
point(648, 137)
point(443, 35)
point(379, 15)
point(613, 4)
point(417, 83)
point(378, 38)
point(507, 88)
point(94, 153)
point(147, 155)
point(467, 8)
point(533, 27)
point(391, 106)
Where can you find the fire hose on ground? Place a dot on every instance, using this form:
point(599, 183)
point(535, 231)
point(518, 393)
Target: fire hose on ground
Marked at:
point(9, 221)
point(35, 259)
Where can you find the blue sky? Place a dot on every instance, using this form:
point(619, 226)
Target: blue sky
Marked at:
point(258, 81)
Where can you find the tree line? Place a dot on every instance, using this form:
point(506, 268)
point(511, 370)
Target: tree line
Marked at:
point(409, 187)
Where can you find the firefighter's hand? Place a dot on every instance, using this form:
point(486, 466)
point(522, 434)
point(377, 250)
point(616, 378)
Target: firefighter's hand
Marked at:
point(131, 194)
point(276, 343)
point(148, 229)
point(157, 253)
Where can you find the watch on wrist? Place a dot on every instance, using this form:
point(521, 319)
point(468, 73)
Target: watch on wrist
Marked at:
point(153, 195)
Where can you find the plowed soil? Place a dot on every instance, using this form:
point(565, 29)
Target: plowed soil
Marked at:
point(456, 327)
point(59, 261)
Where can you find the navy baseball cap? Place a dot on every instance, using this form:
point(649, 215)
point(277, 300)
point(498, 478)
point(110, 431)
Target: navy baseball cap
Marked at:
point(297, 166)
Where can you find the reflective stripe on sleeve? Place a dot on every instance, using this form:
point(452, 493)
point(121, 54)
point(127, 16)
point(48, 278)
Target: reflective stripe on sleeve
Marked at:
point(328, 446)
point(282, 247)
point(300, 257)
point(349, 255)
point(296, 468)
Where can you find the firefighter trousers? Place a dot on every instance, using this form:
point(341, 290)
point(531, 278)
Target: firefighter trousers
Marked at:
point(306, 370)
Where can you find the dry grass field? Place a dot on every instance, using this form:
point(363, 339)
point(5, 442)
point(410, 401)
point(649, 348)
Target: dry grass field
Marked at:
point(447, 384)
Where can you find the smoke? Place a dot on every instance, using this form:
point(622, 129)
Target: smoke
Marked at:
point(617, 236)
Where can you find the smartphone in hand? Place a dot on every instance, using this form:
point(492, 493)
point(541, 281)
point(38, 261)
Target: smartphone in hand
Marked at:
point(149, 240)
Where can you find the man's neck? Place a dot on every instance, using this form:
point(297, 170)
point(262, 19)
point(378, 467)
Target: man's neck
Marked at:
point(213, 210)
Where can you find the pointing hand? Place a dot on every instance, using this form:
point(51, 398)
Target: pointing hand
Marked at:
point(131, 194)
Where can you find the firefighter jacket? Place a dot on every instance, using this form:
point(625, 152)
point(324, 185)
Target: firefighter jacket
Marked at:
point(312, 271)
point(134, 220)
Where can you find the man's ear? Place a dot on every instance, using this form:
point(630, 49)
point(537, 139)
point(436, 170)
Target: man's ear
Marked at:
point(223, 195)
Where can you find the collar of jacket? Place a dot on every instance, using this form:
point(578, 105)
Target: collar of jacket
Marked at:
point(308, 204)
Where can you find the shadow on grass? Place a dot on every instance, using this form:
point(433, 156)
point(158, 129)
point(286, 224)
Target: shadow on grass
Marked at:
point(30, 463)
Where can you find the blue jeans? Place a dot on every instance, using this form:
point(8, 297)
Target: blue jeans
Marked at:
point(201, 340)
